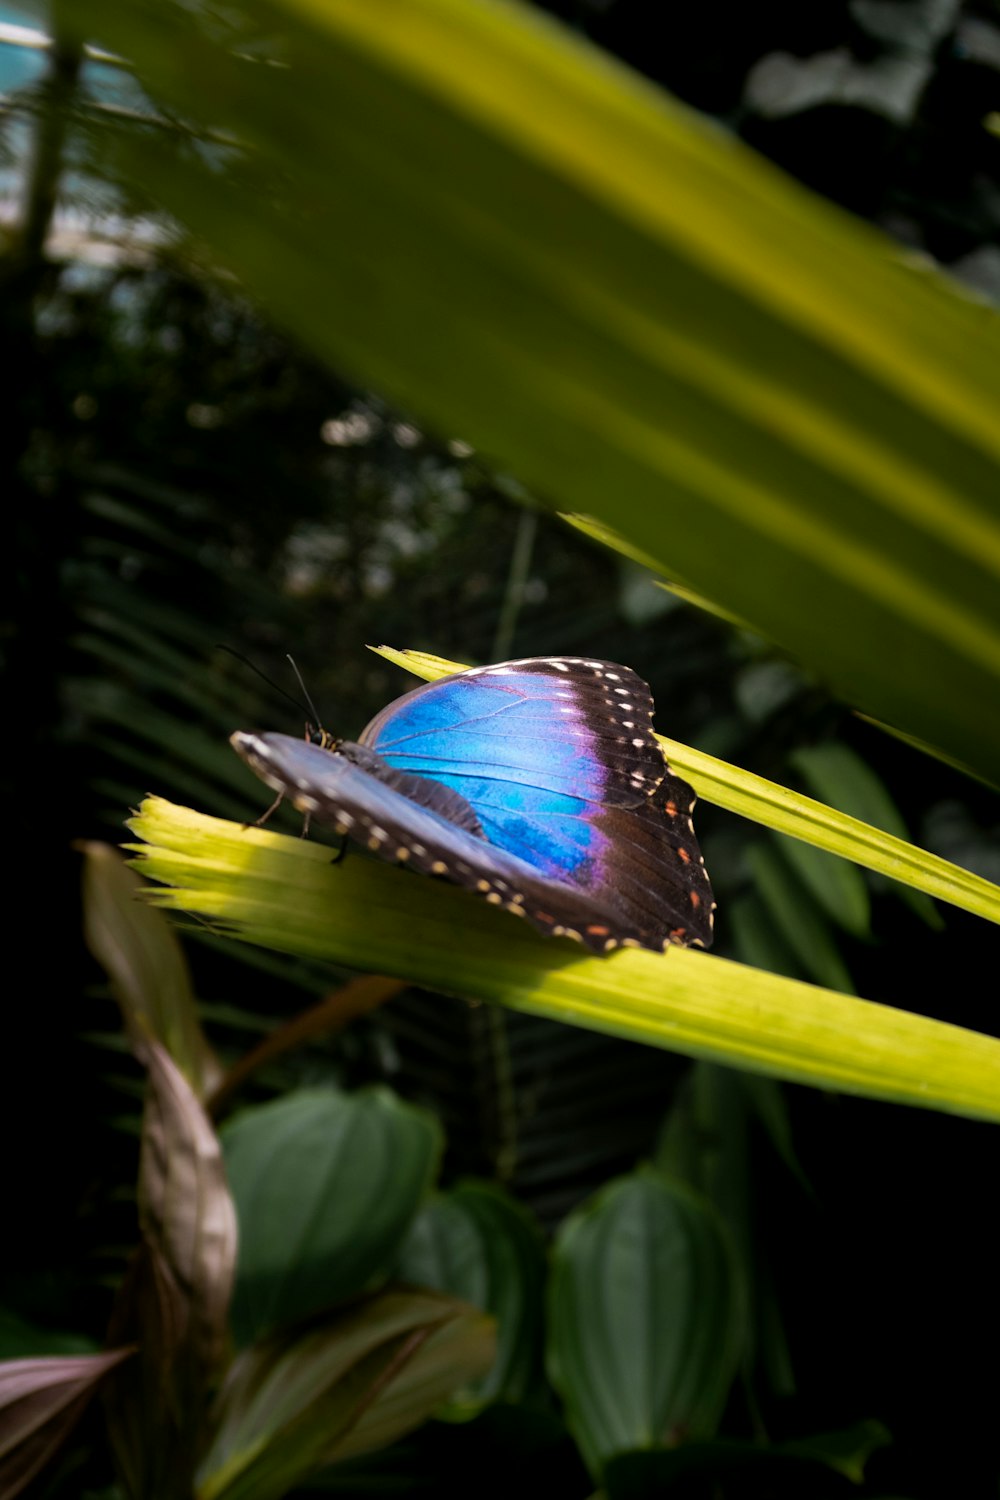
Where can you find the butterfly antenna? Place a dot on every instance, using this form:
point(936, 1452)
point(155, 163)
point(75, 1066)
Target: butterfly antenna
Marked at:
point(305, 693)
point(306, 707)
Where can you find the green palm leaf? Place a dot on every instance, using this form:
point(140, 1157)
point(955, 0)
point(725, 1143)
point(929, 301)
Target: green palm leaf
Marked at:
point(282, 893)
point(539, 252)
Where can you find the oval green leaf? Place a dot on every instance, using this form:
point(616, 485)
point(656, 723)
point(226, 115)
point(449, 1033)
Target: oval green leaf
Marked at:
point(325, 1186)
point(646, 1319)
point(478, 1243)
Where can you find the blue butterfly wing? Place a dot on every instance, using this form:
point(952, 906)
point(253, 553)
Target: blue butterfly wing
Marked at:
point(558, 760)
point(347, 789)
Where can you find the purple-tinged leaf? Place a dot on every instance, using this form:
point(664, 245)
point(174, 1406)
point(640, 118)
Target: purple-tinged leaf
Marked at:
point(301, 1400)
point(40, 1401)
point(455, 1356)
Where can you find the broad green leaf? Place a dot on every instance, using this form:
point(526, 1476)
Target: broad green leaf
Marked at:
point(835, 773)
point(838, 775)
point(646, 1320)
point(755, 938)
point(709, 1141)
point(792, 911)
point(348, 1384)
point(750, 1468)
point(705, 1139)
point(846, 1450)
point(325, 1186)
point(41, 1400)
point(283, 893)
point(638, 316)
point(785, 811)
point(145, 964)
point(478, 1243)
point(837, 885)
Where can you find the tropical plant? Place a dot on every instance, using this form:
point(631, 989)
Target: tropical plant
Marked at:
point(542, 259)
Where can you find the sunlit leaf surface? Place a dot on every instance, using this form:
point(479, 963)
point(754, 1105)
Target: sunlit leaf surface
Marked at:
point(284, 893)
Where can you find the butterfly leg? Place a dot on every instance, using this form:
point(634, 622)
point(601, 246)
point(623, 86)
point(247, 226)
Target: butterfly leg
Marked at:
point(259, 822)
point(341, 852)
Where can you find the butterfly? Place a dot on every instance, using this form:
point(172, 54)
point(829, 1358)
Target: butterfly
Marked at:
point(537, 783)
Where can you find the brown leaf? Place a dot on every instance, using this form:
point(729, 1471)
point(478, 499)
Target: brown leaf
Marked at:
point(175, 1298)
point(184, 1204)
point(40, 1401)
point(355, 998)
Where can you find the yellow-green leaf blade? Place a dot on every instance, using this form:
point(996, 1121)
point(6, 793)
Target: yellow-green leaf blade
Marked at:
point(281, 893)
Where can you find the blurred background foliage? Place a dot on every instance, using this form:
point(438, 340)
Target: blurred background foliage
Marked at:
point(178, 473)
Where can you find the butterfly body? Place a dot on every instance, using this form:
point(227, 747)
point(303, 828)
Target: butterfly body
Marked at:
point(537, 783)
